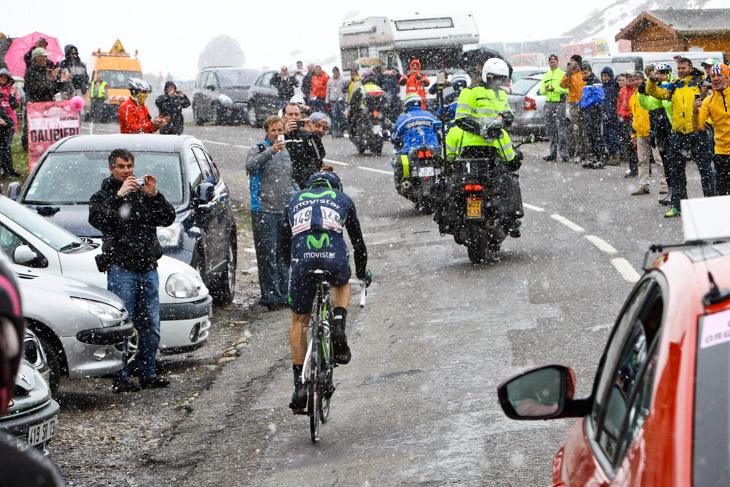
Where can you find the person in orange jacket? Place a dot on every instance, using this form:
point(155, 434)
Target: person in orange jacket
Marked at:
point(134, 117)
point(415, 82)
point(573, 82)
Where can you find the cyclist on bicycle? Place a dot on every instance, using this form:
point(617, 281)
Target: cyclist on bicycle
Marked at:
point(316, 217)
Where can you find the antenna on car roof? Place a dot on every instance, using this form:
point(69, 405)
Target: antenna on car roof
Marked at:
point(704, 223)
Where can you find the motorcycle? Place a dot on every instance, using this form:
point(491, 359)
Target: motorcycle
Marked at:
point(415, 175)
point(478, 202)
point(368, 126)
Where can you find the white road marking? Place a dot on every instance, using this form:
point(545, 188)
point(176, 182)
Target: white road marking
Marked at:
point(624, 268)
point(601, 244)
point(567, 223)
point(533, 208)
point(375, 170)
point(340, 163)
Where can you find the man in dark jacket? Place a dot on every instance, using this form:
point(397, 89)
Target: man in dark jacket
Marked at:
point(171, 104)
point(306, 148)
point(78, 85)
point(285, 83)
point(128, 211)
point(40, 84)
point(609, 118)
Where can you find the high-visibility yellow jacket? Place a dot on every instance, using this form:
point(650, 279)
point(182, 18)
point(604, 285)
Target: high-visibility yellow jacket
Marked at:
point(97, 91)
point(715, 106)
point(479, 102)
point(682, 92)
point(553, 78)
point(641, 123)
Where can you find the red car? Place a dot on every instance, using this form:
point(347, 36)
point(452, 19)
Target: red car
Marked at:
point(659, 413)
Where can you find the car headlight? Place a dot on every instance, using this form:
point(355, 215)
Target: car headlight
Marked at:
point(103, 311)
point(170, 236)
point(225, 100)
point(183, 286)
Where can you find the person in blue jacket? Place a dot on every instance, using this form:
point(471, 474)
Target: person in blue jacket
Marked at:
point(415, 127)
point(591, 107)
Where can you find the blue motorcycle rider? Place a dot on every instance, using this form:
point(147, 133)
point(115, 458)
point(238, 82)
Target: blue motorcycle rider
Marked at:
point(415, 127)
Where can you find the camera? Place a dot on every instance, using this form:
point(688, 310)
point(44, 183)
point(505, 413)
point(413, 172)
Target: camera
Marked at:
point(140, 183)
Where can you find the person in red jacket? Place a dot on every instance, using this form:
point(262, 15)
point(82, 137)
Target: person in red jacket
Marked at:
point(134, 118)
point(319, 90)
point(415, 82)
point(623, 110)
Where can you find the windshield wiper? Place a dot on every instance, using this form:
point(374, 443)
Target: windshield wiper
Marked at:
point(72, 245)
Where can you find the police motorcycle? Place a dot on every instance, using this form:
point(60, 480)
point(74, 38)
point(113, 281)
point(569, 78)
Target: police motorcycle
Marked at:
point(369, 127)
point(415, 171)
point(478, 199)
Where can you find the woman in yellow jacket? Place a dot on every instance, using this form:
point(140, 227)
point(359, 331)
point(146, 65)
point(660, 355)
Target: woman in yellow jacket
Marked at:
point(715, 107)
point(642, 126)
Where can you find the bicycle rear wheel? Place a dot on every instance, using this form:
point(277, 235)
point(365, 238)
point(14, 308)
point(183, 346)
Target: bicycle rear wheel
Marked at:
point(314, 399)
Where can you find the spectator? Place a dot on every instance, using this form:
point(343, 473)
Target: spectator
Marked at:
point(707, 64)
point(306, 150)
point(320, 124)
point(318, 91)
point(9, 102)
point(573, 81)
point(685, 138)
point(128, 215)
point(170, 104)
point(97, 96)
point(336, 88)
point(134, 117)
point(78, 85)
point(28, 57)
point(623, 110)
point(269, 169)
point(307, 82)
point(285, 85)
point(609, 119)
point(415, 81)
point(591, 109)
point(642, 125)
point(715, 107)
point(388, 82)
point(299, 74)
point(353, 85)
point(555, 96)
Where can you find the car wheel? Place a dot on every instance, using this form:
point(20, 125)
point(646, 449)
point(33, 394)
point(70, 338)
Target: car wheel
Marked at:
point(53, 357)
point(252, 117)
point(196, 116)
point(224, 287)
point(217, 116)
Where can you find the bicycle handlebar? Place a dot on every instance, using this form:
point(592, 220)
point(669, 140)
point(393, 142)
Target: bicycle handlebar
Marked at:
point(363, 290)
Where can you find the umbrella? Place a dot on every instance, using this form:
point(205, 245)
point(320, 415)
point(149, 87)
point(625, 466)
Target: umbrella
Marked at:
point(21, 45)
point(369, 61)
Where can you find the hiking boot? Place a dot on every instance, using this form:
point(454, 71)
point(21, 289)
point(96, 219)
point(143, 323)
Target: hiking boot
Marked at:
point(674, 211)
point(298, 402)
point(548, 158)
point(597, 165)
point(125, 385)
point(641, 190)
point(339, 340)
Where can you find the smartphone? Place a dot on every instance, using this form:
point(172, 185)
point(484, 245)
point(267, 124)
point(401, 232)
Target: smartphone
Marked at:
point(281, 138)
point(697, 97)
point(301, 123)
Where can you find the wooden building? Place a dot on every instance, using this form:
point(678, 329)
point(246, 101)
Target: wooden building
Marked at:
point(679, 30)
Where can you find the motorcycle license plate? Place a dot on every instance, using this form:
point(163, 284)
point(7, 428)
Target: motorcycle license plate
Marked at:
point(473, 207)
point(376, 129)
point(425, 172)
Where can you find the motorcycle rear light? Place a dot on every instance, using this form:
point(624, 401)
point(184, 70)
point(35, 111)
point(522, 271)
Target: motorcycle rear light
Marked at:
point(473, 187)
point(428, 153)
point(420, 154)
point(427, 179)
point(375, 113)
point(530, 104)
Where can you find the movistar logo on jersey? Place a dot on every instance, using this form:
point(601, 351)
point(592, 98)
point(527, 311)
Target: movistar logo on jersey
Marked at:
point(313, 196)
point(312, 241)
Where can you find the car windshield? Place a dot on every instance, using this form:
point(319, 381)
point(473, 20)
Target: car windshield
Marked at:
point(711, 458)
point(117, 79)
point(523, 86)
point(73, 177)
point(241, 77)
point(50, 233)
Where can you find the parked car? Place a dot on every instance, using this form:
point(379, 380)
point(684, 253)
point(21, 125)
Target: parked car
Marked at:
point(40, 248)
point(32, 415)
point(204, 233)
point(528, 105)
point(221, 94)
point(80, 327)
point(659, 407)
point(520, 72)
point(263, 99)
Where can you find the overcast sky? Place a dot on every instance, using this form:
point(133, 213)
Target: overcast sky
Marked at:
point(170, 35)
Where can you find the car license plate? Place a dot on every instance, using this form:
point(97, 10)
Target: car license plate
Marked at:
point(41, 432)
point(426, 171)
point(473, 207)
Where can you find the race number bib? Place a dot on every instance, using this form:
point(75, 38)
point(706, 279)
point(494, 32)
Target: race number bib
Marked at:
point(302, 221)
point(331, 220)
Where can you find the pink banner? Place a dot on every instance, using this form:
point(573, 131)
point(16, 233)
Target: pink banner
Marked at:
point(49, 122)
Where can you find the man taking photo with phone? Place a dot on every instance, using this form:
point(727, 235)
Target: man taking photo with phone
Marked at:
point(305, 147)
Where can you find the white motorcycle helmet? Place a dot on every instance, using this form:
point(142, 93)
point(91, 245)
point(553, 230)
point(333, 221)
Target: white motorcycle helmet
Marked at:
point(494, 67)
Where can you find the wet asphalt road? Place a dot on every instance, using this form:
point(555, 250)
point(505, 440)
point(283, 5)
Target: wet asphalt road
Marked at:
point(417, 404)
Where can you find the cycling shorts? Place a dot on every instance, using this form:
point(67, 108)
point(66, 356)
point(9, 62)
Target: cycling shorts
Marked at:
point(335, 260)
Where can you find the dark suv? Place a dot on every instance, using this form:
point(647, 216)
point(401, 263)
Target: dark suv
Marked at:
point(221, 94)
point(263, 99)
point(204, 233)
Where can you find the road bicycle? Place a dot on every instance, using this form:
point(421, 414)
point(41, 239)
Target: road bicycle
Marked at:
point(319, 362)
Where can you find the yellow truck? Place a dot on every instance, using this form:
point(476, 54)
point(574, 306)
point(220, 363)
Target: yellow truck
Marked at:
point(108, 73)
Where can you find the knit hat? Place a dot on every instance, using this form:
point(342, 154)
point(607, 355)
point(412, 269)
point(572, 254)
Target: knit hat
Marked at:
point(38, 52)
point(585, 65)
point(577, 58)
point(319, 117)
point(721, 69)
point(553, 56)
